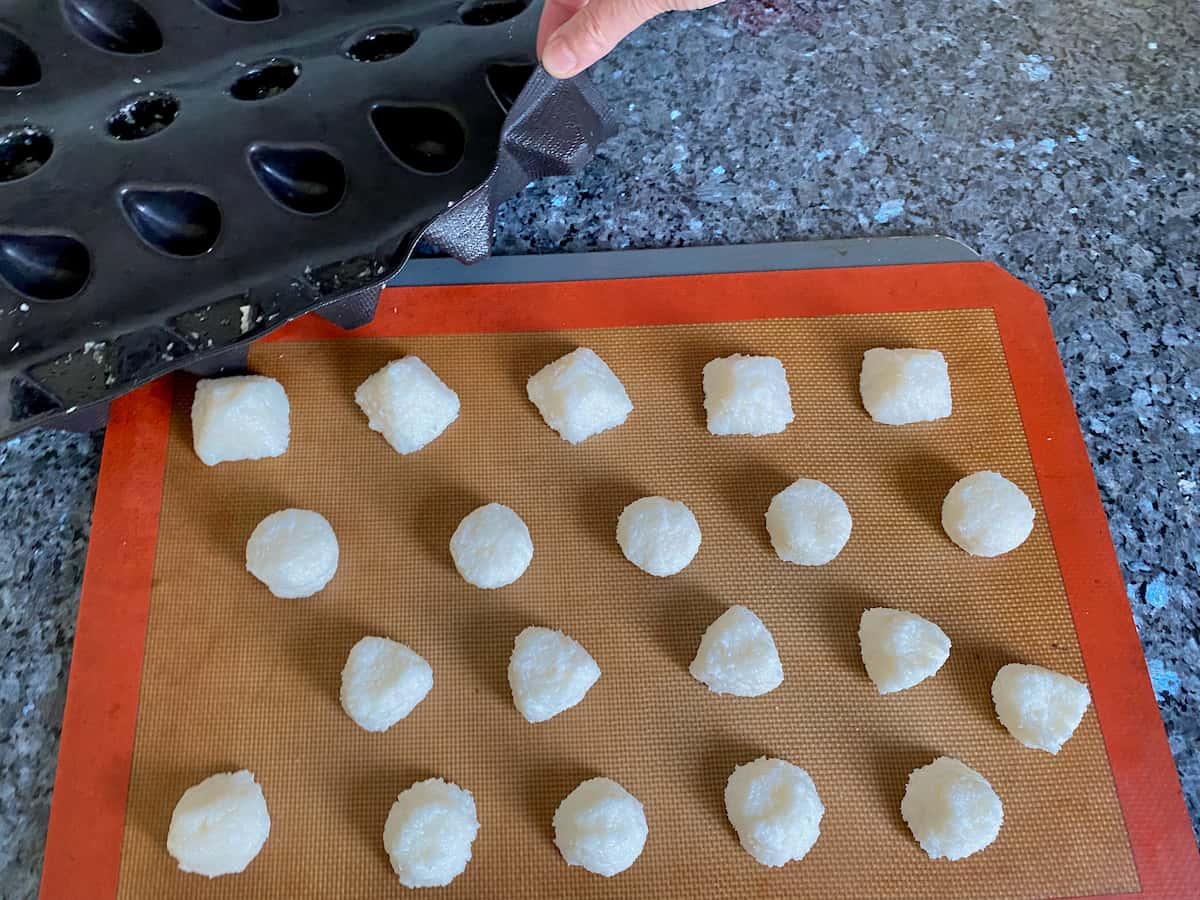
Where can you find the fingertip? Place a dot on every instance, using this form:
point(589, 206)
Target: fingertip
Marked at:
point(558, 59)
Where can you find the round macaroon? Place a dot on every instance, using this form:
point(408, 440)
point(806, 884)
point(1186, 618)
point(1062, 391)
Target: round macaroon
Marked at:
point(658, 535)
point(219, 825)
point(294, 552)
point(774, 807)
point(987, 515)
point(382, 682)
point(429, 832)
point(809, 523)
point(601, 827)
point(951, 809)
point(491, 547)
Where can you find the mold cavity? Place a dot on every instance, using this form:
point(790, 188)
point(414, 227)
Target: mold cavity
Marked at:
point(143, 116)
point(303, 179)
point(244, 10)
point(265, 80)
point(489, 12)
point(18, 63)
point(23, 151)
point(424, 138)
point(119, 26)
point(507, 79)
point(176, 221)
point(44, 266)
point(381, 44)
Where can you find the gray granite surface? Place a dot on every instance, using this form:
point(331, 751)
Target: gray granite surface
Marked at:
point(1058, 139)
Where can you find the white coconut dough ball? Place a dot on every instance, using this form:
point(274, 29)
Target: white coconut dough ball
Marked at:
point(737, 656)
point(407, 403)
point(219, 825)
point(987, 515)
point(241, 417)
point(747, 395)
point(491, 547)
point(774, 807)
point(382, 682)
point(579, 396)
point(951, 809)
point(808, 522)
point(294, 552)
point(658, 535)
point(429, 832)
point(900, 387)
point(1040, 708)
point(899, 649)
point(549, 673)
point(600, 826)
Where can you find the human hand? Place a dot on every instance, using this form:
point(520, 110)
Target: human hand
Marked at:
point(573, 34)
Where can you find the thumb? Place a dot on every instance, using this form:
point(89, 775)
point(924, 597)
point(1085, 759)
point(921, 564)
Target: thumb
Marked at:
point(596, 29)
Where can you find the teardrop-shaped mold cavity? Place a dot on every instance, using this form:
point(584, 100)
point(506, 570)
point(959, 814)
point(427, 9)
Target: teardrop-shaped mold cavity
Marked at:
point(19, 65)
point(490, 12)
point(176, 221)
point(244, 10)
point(430, 140)
point(265, 80)
point(507, 79)
point(23, 150)
point(143, 116)
point(119, 26)
point(304, 179)
point(379, 44)
point(44, 266)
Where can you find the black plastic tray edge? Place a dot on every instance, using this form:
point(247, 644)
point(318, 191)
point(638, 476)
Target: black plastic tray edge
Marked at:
point(532, 146)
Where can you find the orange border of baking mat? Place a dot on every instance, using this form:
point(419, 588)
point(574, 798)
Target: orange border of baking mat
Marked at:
point(87, 816)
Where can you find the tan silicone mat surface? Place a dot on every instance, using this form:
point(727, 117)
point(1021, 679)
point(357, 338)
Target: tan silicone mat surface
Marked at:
point(234, 678)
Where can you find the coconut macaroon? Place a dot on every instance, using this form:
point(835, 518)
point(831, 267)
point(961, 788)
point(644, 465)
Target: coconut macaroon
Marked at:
point(900, 387)
point(601, 827)
point(747, 395)
point(549, 673)
point(491, 547)
point(658, 535)
point(219, 825)
point(737, 656)
point(382, 682)
point(899, 649)
point(429, 832)
point(407, 403)
point(987, 515)
point(240, 417)
point(1039, 707)
point(951, 809)
point(294, 552)
point(579, 396)
point(774, 807)
point(808, 522)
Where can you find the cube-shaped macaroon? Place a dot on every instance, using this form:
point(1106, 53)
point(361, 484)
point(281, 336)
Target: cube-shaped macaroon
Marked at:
point(579, 396)
point(747, 395)
point(407, 403)
point(900, 387)
point(240, 417)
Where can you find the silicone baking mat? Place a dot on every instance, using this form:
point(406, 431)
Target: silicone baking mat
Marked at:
point(185, 665)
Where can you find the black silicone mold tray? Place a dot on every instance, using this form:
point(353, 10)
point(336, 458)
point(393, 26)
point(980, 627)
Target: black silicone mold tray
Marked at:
point(178, 177)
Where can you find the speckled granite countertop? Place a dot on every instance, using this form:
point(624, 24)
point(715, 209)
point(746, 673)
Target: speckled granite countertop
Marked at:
point(1059, 140)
